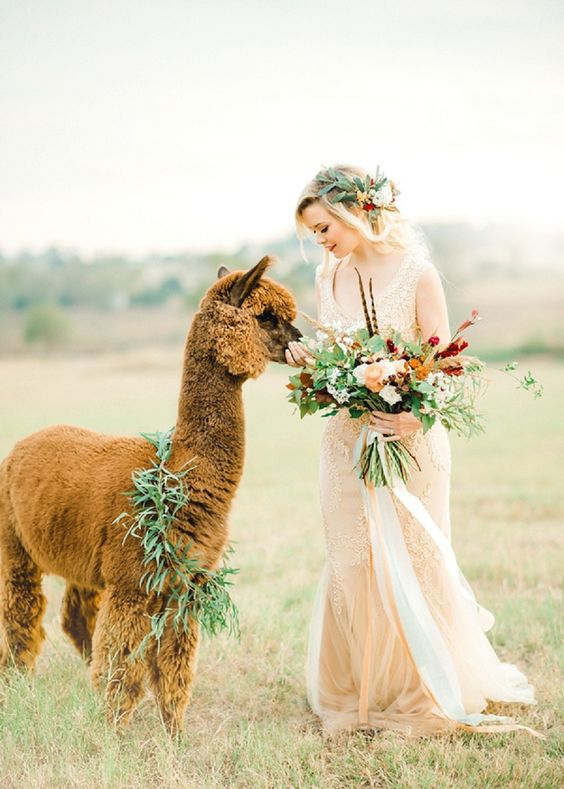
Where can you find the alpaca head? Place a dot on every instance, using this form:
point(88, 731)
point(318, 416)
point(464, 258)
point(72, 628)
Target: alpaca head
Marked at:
point(248, 320)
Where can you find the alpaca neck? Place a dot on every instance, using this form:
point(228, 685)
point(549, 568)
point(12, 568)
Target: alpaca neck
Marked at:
point(210, 421)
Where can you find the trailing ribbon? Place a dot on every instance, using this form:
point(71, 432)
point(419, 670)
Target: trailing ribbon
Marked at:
point(402, 596)
point(419, 512)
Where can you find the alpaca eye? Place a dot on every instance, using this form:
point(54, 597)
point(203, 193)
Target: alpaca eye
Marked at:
point(266, 317)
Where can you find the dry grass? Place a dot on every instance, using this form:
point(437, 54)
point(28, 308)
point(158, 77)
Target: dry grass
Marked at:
point(248, 724)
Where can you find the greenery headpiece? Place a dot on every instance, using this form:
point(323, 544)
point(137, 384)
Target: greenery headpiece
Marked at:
point(370, 194)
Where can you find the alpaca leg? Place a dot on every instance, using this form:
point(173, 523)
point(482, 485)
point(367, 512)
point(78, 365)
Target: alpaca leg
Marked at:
point(171, 673)
point(79, 610)
point(121, 625)
point(22, 604)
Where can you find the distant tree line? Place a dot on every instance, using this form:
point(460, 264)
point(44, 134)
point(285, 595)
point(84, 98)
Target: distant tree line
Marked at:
point(67, 280)
point(117, 282)
point(46, 289)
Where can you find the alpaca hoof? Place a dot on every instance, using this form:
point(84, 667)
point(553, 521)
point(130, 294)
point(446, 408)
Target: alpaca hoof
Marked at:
point(118, 719)
point(174, 726)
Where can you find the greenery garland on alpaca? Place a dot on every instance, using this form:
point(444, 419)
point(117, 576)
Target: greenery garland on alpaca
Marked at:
point(192, 592)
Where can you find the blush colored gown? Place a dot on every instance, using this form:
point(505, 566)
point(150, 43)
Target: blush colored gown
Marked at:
point(395, 642)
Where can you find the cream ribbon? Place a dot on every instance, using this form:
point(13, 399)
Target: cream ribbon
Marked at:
point(401, 593)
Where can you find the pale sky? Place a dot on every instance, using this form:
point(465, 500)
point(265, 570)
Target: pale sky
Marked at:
point(135, 126)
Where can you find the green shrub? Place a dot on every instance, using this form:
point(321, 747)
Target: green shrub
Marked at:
point(46, 324)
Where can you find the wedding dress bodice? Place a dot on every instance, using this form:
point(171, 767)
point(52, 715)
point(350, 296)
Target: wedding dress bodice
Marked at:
point(395, 305)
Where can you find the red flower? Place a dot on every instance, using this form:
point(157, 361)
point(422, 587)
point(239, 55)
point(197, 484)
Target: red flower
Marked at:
point(453, 349)
point(457, 370)
point(390, 346)
point(369, 206)
point(463, 326)
point(434, 340)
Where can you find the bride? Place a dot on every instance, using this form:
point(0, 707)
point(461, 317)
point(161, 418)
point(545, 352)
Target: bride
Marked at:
point(394, 642)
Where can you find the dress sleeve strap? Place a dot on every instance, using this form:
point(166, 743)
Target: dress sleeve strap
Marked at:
point(417, 265)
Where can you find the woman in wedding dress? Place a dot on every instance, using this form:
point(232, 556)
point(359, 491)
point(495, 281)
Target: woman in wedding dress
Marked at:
point(396, 640)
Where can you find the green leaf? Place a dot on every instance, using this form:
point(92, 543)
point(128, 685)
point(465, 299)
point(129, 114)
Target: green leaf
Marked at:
point(428, 422)
point(375, 344)
point(159, 493)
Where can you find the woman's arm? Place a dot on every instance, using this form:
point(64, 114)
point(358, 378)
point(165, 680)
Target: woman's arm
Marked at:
point(431, 308)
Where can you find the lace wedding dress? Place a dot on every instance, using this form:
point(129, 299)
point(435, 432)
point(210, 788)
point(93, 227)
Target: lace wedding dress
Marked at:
point(396, 641)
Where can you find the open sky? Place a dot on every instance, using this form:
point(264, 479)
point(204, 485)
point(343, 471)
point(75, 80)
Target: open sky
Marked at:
point(137, 126)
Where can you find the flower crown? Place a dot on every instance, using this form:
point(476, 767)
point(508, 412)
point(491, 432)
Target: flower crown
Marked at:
point(371, 194)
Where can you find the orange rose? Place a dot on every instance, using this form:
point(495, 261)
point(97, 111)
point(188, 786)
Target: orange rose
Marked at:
point(374, 376)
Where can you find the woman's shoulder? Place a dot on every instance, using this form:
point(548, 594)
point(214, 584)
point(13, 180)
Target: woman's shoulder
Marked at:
point(416, 267)
point(417, 261)
point(422, 274)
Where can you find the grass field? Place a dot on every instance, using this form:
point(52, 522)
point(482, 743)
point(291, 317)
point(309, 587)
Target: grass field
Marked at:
point(248, 724)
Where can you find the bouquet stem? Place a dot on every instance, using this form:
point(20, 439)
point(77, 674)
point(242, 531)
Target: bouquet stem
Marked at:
point(382, 463)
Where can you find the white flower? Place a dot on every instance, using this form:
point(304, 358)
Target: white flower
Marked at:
point(442, 387)
point(390, 368)
point(322, 340)
point(360, 373)
point(340, 395)
point(442, 396)
point(333, 375)
point(437, 379)
point(383, 196)
point(390, 394)
point(440, 400)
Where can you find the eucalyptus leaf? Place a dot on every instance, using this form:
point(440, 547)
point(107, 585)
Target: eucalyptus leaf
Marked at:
point(158, 495)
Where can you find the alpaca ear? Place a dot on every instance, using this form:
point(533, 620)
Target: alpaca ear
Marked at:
point(222, 272)
point(248, 281)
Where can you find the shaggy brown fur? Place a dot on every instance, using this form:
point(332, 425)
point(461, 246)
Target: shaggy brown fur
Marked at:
point(62, 488)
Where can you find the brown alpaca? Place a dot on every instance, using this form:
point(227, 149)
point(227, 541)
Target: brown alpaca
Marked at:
point(62, 488)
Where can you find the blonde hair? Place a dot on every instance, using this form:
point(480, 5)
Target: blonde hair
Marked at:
point(390, 232)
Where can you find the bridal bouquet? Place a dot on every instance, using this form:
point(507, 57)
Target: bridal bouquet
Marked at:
point(361, 371)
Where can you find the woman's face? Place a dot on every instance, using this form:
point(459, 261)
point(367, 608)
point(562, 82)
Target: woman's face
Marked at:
point(329, 231)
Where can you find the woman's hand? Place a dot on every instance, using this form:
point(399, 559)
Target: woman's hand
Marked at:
point(394, 426)
point(297, 355)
